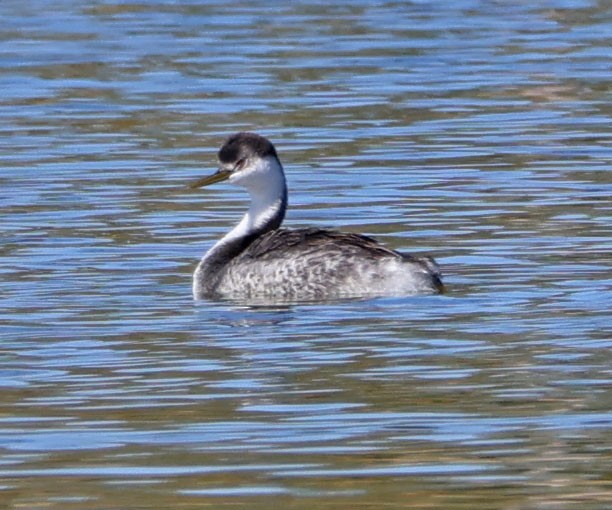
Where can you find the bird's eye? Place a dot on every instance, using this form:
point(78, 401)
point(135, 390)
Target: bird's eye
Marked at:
point(240, 164)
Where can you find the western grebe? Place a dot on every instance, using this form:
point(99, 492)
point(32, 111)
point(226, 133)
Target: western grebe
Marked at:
point(257, 259)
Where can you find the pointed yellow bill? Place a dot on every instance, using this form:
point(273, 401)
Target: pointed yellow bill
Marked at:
point(218, 176)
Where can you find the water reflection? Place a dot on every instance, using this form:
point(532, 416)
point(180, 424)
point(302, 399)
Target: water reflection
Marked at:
point(474, 132)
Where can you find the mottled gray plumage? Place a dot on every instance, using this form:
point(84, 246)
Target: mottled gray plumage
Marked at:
point(257, 259)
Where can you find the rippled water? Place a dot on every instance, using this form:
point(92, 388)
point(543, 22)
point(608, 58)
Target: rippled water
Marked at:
point(477, 132)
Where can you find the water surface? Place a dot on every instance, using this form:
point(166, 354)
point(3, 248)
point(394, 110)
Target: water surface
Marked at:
point(475, 132)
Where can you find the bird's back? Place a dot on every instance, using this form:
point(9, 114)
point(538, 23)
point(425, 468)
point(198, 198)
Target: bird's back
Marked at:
point(315, 263)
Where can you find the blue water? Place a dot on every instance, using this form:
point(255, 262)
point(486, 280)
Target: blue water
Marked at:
point(474, 132)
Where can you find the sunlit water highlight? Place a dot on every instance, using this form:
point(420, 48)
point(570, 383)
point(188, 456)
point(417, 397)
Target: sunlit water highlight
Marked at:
point(474, 132)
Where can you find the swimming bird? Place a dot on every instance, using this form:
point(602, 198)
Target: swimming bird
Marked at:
point(258, 259)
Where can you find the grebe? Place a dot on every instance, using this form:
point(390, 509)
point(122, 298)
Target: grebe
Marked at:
point(257, 259)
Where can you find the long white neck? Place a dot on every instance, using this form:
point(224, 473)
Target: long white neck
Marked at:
point(268, 199)
point(265, 182)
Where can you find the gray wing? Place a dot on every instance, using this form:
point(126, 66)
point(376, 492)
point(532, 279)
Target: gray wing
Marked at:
point(312, 262)
point(286, 242)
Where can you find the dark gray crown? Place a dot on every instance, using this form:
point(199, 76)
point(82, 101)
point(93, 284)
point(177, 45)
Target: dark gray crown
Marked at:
point(245, 145)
